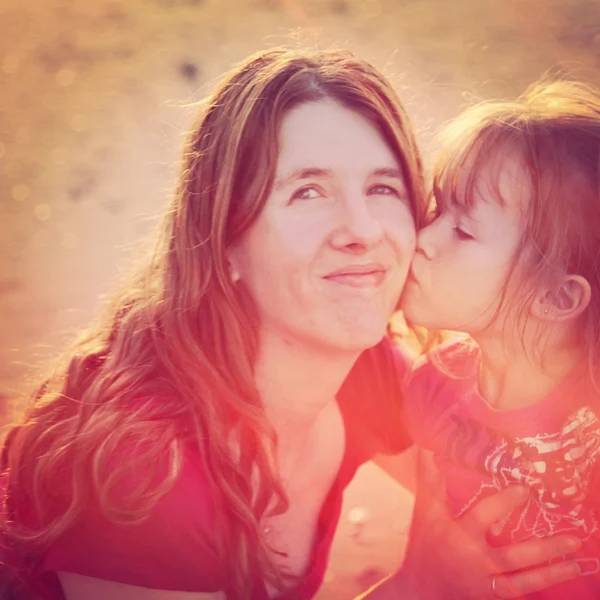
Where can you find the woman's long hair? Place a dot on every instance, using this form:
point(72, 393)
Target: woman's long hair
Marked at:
point(171, 360)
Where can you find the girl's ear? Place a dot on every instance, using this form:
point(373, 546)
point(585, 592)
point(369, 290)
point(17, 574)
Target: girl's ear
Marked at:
point(565, 301)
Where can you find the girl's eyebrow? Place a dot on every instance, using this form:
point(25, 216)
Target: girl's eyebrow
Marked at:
point(437, 194)
point(462, 209)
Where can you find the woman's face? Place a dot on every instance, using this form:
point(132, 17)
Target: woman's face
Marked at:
point(326, 260)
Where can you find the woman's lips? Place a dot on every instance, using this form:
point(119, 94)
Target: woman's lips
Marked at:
point(359, 276)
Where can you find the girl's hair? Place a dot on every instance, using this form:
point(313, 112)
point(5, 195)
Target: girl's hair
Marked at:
point(170, 363)
point(553, 129)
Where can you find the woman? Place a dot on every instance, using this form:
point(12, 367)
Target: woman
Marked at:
point(196, 442)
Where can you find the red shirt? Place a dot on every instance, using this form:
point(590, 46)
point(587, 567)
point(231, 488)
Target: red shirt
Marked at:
point(551, 446)
point(174, 549)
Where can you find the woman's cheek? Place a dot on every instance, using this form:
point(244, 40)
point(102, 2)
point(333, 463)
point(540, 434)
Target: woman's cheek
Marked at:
point(403, 238)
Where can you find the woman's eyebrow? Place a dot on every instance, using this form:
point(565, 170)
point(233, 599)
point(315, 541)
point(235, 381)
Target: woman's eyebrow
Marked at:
point(388, 172)
point(306, 173)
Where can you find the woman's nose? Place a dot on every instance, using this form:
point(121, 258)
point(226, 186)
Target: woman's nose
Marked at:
point(357, 227)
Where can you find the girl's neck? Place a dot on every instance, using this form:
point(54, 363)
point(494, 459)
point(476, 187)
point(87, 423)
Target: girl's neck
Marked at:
point(512, 376)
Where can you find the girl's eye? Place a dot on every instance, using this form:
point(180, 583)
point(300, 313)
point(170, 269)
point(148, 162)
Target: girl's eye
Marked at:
point(461, 234)
point(306, 193)
point(383, 190)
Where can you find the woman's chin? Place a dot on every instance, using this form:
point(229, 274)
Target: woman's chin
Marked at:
point(359, 336)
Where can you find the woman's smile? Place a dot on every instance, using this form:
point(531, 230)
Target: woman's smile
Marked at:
point(365, 276)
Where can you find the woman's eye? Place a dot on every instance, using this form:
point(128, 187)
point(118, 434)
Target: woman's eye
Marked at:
point(383, 190)
point(461, 234)
point(306, 193)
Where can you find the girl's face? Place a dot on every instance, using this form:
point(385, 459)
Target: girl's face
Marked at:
point(326, 260)
point(464, 257)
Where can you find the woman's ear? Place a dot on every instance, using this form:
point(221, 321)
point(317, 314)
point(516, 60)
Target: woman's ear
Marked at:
point(233, 264)
point(234, 273)
point(564, 301)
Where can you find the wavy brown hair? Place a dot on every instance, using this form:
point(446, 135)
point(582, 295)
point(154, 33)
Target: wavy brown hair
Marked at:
point(553, 128)
point(171, 360)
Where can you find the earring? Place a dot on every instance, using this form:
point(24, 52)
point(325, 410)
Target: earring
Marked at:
point(235, 276)
point(546, 311)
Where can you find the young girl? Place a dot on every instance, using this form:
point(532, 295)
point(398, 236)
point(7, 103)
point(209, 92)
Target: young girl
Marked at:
point(512, 259)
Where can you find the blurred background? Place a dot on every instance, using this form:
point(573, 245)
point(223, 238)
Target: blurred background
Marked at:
point(95, 98)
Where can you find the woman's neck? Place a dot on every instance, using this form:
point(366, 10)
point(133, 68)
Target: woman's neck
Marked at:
point(512, 376)
point(296, 382)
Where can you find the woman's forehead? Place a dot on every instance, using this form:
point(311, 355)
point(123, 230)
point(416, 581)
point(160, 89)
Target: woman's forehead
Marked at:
point(327, 134)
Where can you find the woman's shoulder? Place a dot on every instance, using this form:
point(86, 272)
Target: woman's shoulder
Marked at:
point(174, 542)
point(371, 400)
point(383, 366)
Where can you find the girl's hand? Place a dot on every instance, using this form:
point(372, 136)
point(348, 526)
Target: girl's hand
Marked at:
point(451, 558)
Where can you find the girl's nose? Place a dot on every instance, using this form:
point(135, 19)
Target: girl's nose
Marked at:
point(425, 241)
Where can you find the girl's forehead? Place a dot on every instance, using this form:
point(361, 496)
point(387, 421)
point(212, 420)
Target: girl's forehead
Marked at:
point(505, 178)
point(497, 175)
